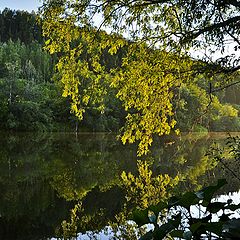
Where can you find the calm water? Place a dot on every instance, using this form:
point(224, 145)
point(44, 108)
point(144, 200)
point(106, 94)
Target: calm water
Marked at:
point(43, 176)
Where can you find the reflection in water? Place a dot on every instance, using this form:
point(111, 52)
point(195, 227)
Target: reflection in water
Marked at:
point(145, 189)
point(45, 177)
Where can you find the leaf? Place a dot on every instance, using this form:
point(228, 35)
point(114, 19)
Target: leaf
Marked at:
point(163, 230)
point(215, 207)
point(140, 217)
point(233, 207)
point(152, 217)
point(166, 228)
point(47, 42)
point(194, 227)
point(187, 235)
point(231, 229)
point(173, 201)
point(158, 208)
point(177, 233)
point(188, 199)
point(200, 194)
point(147, 236)
point(233, 224)
point(225, 217)
point(208, 192)
point(207, 218)
point(214, 227)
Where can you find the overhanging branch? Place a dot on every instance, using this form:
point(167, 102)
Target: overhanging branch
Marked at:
point(233, 20)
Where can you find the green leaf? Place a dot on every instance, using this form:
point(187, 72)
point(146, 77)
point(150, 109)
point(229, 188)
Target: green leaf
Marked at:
point(140, 217)
point(233, 207)
point(173, 201)
point(208, 192)
point(232, 224)
point(194, 227)
point(231, 230)
point(187, 235)
point(163, 230)
point(207, 218)
point(177, 233)
point(214, 227)
point(158, 208)
point(47, 42)
point(147, 236)
point(215, 207)
point(152, 217)
point(166, 228)
point(225, 217)
point(188, 199)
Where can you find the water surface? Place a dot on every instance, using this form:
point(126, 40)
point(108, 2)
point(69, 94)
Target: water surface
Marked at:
point(43, 176)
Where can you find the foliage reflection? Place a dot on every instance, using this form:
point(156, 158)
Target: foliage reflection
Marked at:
point(49, 183)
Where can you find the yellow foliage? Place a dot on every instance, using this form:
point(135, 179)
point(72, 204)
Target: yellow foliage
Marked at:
point(145, 189)
point(228, 111)
point(70, 228)
point(145, 82)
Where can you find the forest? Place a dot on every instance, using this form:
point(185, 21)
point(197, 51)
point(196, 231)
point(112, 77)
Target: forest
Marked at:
point(31, 93)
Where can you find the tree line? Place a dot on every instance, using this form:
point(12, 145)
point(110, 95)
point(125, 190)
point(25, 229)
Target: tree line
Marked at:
point(19, 25)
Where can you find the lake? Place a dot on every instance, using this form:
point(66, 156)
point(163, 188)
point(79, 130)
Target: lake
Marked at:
point(43, 176)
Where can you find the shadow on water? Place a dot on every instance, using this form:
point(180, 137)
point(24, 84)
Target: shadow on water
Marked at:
point(43, 176)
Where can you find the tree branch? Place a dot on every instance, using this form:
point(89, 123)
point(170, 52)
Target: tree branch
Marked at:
point(224, 87)
point(234, 3)
point(210, 28)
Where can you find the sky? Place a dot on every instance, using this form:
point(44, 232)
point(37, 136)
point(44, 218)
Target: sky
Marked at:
point(27, 5)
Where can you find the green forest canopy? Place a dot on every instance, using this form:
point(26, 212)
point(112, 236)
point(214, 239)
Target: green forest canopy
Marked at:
point(21, 43)
point(155, 61)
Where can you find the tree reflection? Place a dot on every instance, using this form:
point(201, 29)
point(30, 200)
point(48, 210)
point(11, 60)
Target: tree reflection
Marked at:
point(59, 185)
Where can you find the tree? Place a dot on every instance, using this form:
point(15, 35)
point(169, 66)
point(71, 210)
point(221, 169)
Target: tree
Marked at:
point(176, 23)
point(27, 96)
point(21, 25)
point(156, 60)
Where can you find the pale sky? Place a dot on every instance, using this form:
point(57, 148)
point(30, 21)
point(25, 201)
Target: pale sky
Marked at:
point(27, 5)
